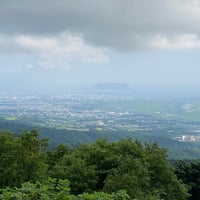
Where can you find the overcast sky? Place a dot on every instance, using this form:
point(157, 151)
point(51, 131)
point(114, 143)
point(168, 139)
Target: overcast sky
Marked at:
point(71, 43)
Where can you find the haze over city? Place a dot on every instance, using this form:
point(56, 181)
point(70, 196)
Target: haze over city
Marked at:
point(149, 45)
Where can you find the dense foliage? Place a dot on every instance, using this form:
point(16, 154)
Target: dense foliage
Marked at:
point(21, 158)
point(57, 190)
point(125, 169)
point(189, 173)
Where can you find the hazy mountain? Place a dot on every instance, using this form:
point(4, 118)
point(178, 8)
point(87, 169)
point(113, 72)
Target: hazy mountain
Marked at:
point(113, 86)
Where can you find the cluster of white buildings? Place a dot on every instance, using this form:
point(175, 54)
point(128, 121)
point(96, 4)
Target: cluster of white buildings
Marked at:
point(186, 138)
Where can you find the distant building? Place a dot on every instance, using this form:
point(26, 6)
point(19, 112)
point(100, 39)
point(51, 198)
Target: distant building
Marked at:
point(190, 138)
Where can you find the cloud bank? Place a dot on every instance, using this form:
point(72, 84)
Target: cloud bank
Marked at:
point(59, 51)
point(66, 31)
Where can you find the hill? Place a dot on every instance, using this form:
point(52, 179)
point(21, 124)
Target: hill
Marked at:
point(176, 149)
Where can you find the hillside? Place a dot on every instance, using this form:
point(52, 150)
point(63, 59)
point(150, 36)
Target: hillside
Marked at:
point(176, 149)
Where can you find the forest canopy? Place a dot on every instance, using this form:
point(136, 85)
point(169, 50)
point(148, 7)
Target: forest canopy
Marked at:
point(127, 168)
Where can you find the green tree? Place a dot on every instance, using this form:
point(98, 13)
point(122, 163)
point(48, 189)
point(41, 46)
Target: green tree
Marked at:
point(189, 173)
point(50, 189)
point(55, 156)
point(21, 158)
point(119, 195)
point(56, 189)
point(131, 173)
point(142, 170)
point(100, 154)
point(162, 175)
point(81, 176)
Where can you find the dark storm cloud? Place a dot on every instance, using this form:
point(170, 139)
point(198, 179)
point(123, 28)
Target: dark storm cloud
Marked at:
point(118, 24)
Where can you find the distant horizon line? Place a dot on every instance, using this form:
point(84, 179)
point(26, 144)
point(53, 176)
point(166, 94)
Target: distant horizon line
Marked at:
point(183, 91)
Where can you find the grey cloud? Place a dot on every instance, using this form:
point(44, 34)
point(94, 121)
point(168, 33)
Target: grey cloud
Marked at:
point(117, 24)
point(53, 52)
